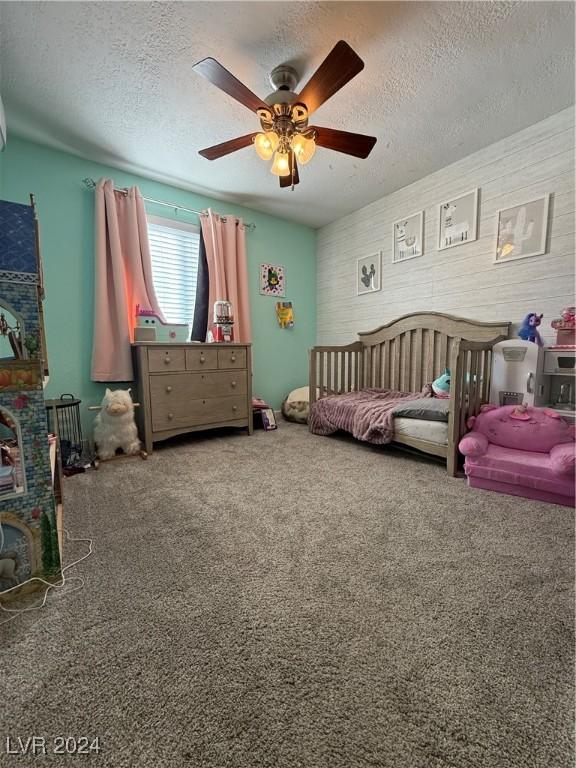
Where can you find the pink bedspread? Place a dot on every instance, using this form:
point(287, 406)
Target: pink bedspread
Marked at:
point(368, 414)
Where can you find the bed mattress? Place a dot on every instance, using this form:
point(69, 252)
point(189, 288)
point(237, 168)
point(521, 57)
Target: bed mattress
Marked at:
point(422, 429)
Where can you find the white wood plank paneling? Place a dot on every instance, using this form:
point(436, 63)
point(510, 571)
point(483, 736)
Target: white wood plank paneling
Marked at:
point(462, 280)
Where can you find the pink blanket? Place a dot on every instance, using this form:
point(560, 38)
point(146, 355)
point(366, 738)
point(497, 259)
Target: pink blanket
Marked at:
point(368, 414)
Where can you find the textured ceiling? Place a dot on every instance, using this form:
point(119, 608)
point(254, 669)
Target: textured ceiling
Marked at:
point(113, 82)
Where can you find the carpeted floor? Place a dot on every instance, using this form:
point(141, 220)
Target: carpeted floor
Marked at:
point(293, 601)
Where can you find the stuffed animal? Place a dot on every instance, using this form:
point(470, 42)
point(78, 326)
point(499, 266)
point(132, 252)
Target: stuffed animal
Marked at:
point(522, 428)
point(529, 328)
point(565, 328)
point(441, 385)
point(569, 316)
point(114, 427)
point(296, 405)
point(8, 567)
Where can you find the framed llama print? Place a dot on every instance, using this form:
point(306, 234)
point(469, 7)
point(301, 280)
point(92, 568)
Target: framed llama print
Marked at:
point(458, 220)
point(272, 280)
point(522, 230)
point(368, 277)
point(408, 236)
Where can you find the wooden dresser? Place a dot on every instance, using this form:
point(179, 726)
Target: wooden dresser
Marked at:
point(189, 387)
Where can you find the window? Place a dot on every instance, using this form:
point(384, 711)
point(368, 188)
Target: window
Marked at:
point(174, 247)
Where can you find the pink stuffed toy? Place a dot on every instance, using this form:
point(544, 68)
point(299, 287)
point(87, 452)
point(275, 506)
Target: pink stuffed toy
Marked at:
point(565, 328)
point(522, 428)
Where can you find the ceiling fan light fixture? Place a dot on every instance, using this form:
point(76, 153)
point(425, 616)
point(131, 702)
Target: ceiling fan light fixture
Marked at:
point(304, 148)
point(281, 164)
point(265, 144)
point(285, 136)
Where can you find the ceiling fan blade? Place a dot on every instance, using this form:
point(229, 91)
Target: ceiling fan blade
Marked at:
point(221, 78)
point(340, 66)
point(286, 181)
point(341, 141)
point(219, 150)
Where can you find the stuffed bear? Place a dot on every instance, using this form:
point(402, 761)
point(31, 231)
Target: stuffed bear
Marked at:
point(114, 427)
point(522, 428)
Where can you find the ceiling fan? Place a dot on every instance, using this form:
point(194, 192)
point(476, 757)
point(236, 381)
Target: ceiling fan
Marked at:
point(284, 114)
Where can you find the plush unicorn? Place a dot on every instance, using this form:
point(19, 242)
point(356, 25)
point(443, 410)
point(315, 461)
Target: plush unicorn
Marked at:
point(114, 426)
point(529, 328)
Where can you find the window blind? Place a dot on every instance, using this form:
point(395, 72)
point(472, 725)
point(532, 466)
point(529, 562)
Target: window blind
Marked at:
point(174, 249)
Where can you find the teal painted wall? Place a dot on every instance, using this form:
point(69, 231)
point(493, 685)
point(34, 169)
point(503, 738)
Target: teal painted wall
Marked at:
point(66, 214)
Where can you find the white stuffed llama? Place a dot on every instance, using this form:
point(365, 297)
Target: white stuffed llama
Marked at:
point(114, 426)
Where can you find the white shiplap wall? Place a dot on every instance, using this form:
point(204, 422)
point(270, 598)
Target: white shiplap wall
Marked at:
point(462, 280)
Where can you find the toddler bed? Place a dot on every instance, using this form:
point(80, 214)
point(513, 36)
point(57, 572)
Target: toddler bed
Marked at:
point(378, 388)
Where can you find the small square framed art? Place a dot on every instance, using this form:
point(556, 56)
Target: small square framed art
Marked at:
point(368, 274)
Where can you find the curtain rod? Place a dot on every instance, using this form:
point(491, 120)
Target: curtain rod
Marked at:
point(91, 184)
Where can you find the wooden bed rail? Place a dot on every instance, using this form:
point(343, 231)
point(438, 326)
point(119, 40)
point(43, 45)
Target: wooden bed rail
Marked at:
point(470, 370)
point(334, 370)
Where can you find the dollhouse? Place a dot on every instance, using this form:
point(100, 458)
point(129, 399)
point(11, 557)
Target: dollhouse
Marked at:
point(29, 529)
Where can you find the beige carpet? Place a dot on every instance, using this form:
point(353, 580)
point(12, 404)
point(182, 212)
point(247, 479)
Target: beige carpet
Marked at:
point(291, 601)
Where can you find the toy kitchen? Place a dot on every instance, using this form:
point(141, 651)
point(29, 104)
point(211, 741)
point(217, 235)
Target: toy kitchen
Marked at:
point(524, 372)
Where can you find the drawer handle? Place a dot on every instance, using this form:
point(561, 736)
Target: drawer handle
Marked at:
point(233, 384)
point(202, 359)
point(168, 388)
point(233, 358)
point(234, 407)
point(170, 416)
point(167, 360)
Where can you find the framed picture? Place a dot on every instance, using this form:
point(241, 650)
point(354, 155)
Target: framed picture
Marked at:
point(522, 230)
point(368, 274)
point(458, 220)
point(272, 280)
point(408, 234)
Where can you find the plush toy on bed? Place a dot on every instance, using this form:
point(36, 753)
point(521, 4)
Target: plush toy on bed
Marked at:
point(114, 427)
point(529, 328)
point(441, 385)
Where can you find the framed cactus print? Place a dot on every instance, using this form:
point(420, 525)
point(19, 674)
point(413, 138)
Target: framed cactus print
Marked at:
point(368, 277)
point(522, 230)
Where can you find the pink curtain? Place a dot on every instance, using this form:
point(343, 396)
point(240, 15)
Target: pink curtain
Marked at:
point(225, 243)
point(123, 279)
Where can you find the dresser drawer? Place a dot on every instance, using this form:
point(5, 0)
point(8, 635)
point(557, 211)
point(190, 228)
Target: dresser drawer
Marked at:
point(191, 386)
point(201, 359)
point(192, 413)
point(166, 359)
point(232, 357)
